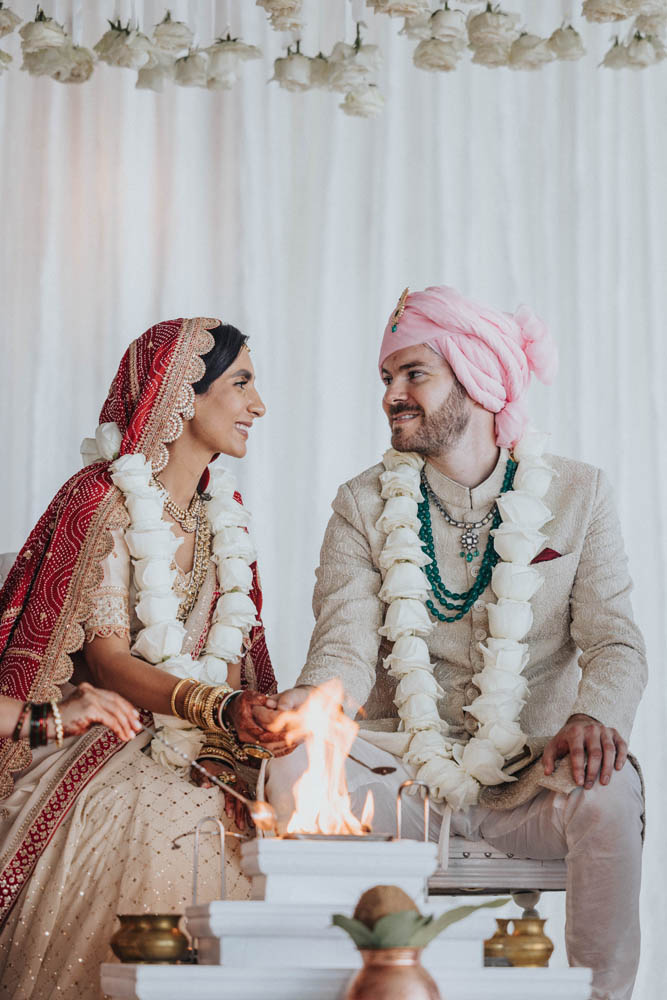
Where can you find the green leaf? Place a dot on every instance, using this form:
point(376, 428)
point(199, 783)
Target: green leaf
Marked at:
point(395, 930)
point(424, 935)
point(360, 934)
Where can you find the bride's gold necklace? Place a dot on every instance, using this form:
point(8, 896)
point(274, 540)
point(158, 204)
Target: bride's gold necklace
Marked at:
point(188, 519)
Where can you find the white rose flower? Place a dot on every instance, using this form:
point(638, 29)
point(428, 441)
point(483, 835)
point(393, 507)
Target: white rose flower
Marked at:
point(130, 472)
point(408, 653)
point(515, 582)
point(63, 63)
point(191, 70)
point(426, 744)
point(154, 574)
point(221, 481)
point(492, 55)
point(156, 607)
point(8, 21)
point(533, 475)
point(109, 439)
point(234, 574)
point(493, 28)
point(403, 481)
point(365, 101)
point(491, 679)
point(404, 580)
point(42, 34)
point(292, 72)
point(483, 761)
point(506, 736)
point(5, 60)
point(403, 545)
point(616, 57)
point(515, 545)
point(320, 72)
point(350, 67)
point(233, 542)
point(180, 666)
point(224, 62)
point(420, 712)
point(159, 642)
point(158, 543)
point(532, 445)
point(212, 670)
point(405, 8)
point(417, 28)
point(654, 25)
point(495, 708)
point(236, 609)
point(188, 741)
point(405, 617)
point(392, 459)
point(505, 654)
point(449, 781)
point(606, 10)
point(566, 44)
point(399, 512)
point(145, 511)
point(417, 682)
point(224, 641)
point(123, 47)
point(153, 75)
point(172, 36)
point(89, 451)
point(529, 52)
point(642, 52)
point(509, 619)
point(224, 512)
point(437, 56)
point(523, 510)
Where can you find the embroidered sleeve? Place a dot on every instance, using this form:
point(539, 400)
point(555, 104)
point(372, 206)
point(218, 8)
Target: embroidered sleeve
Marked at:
point(110, 613)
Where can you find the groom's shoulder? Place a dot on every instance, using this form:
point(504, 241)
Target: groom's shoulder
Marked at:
point(365, 486)
point(359, 497)
point(572, 474)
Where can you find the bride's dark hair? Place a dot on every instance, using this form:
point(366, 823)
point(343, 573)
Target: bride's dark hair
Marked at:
point(228, 343)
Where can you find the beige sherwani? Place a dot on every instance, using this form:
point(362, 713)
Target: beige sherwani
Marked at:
point(586, 652)
point(586, 655)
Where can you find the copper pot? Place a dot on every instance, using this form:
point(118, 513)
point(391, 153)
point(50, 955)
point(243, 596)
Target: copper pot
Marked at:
point(529, 947)
point(150, 937)
point(392, 974)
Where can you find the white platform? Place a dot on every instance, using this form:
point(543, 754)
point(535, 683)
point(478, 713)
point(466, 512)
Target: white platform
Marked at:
point(182, 982)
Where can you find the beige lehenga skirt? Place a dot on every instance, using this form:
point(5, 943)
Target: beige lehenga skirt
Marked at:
point(113, 854)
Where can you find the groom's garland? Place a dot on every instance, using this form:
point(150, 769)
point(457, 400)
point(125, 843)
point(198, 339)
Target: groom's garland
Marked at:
point(455, 771)
point(152, 545)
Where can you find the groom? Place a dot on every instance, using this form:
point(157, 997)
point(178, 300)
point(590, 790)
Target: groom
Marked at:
point(477, 612)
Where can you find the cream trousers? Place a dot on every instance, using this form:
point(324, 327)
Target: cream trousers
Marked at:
point(597, 831)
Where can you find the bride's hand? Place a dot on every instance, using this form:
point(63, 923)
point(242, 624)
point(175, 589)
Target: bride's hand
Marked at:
point(234, 809)
point(88, 706)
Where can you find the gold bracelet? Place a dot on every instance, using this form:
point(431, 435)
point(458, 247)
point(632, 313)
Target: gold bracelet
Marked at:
point(190, 700)
point(226, 777)
point(212, 703)
point(174, 693)
point(199, 702)
point(58, 722)
point(218, 753)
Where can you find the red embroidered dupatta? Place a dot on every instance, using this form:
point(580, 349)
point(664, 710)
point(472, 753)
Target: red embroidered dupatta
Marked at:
point(46, 597)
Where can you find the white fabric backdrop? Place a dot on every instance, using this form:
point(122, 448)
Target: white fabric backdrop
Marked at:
point(278, 213)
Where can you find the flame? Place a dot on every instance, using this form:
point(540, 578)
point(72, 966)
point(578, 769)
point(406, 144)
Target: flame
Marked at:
point(321, 797)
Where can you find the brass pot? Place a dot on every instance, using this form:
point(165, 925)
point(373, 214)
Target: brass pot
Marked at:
point(529, 947)
point(494, 947)
point(150, 937)
point(392, 974)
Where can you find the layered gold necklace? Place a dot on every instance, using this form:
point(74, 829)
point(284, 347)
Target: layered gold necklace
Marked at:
point(192, 519)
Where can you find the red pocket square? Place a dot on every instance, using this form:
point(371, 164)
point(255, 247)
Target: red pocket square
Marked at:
point(545, 556)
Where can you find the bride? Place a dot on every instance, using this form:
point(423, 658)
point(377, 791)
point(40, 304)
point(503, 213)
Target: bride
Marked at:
point(140, 578)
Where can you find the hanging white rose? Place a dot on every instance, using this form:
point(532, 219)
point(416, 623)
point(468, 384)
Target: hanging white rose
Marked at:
point(409, 652)
point(606, 10)
point(417, 682)
point(5, 60)
point(616, 57)
point(507, 737)
point(419, 711)
point(643, 52)
point(516, 544)
point(292, 72)
point(404, 580)
point(352, 67)
point(449, 781)
point(145, 511)
point(406, 617)
point(392, 459)
point(534, 475)
point(483, 761)
point(493, 28)
point(224, 641)
point(154, 573)
point(523, 509)
point(155, 607)
point(515, 582)
point(418, 27)
point(436, 56)
point(8, 21)
point(491, 679)
point(191, 70)
point(653, 25)
point(125, 47)
point(154, 75)
point(403, 544)
point(566, 43)
point(405, 8)
point(425, 744)
point(229, 542)
point(225, 58)
point(529, 52)
point(159, 642)
point(224, 512)
point(492, 708)
point(401, 482)
point(509, 619)
point(160, 542)
point(236, 609)
point(108, 439)
point(504, 654)
point(63, 63)
point(532, 445)
point(172, 36)
point(42, 33)
point(181, 666)
point(320, 72)
point(399, 512)
point(235, 574)
point(449, 26)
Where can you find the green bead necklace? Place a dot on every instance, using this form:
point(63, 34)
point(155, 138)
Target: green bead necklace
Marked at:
point(449, 599)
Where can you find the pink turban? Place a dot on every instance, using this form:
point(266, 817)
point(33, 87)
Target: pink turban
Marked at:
point(492, 353)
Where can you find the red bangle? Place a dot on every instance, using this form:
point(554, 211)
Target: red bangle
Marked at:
point(16, 735)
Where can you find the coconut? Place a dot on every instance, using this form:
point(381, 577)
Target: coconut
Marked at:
point(380, 901)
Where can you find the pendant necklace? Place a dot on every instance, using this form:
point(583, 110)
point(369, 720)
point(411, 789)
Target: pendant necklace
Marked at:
point(470, 536)
point(187, 519)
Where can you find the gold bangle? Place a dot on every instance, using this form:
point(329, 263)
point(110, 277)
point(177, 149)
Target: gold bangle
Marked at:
point(189, 704)
point(174, 693)
point(212, 704)
point(218, 753)
point(198, 705)
point(58, 722)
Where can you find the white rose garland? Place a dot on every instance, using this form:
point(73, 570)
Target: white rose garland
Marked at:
point(152, 545)
point(455, 771)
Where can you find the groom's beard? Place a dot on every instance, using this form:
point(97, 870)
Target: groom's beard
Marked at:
point(436, 432)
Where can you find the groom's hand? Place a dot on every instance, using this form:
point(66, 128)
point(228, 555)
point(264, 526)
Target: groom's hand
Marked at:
point(284, 721)
point(595, 750)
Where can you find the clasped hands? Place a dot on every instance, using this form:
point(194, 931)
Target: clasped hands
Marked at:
point(595, 750)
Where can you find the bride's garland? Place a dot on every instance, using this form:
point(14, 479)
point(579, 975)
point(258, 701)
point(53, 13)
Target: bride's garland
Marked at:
point(152, 545)
point(455, 771)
